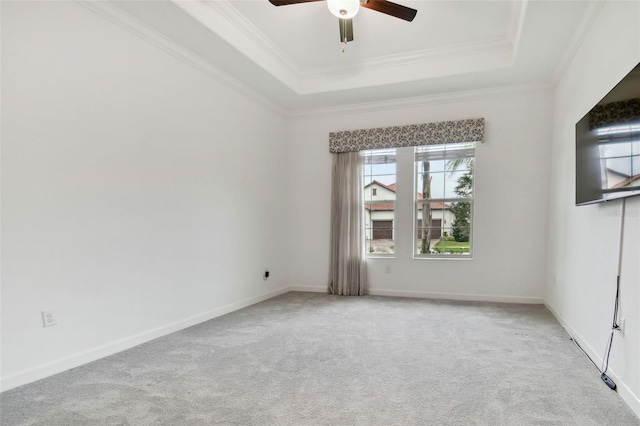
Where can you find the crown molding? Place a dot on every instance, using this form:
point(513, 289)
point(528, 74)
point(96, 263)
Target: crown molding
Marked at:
point(238, 20)
point(588, 18)
point(516, 23)
point(222, 19)
point(419, 101)
point(419, 65)
point(134, 26)
point(489, 46)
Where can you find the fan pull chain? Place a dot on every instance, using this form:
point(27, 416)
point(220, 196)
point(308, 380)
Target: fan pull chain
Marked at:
point(344, 30)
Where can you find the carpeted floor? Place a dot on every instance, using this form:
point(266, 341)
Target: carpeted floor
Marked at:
point(314, 359)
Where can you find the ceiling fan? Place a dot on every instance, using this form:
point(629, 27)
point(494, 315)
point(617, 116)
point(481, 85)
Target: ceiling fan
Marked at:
point(345, 10)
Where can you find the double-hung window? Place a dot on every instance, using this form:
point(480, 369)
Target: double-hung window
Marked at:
point(379, 201)
point(435, 186)
point(443, 199)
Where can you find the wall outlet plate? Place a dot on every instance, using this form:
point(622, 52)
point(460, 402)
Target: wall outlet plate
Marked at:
point(49, 318)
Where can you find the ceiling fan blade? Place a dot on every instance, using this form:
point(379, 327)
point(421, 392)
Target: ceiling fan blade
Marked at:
point(287, 2)
point(346, 29)
point(389, 8)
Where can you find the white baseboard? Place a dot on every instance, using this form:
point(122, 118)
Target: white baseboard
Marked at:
point(84, 357)
point(432, 295)
point(457, 296)
point(309, 288)
point(625, 393)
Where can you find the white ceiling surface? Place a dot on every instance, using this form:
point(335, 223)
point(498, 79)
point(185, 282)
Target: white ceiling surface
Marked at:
point(292, 54)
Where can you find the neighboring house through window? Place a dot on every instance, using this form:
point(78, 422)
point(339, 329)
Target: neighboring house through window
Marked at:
point(379, 201)
point(443, 199)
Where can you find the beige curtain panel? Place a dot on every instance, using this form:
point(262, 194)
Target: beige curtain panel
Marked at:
point(347, 261)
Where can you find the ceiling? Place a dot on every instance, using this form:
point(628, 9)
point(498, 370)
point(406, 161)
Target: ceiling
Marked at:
point(291, 56)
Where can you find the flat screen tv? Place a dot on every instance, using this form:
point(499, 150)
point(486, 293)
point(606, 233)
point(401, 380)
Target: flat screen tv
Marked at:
point(608, 145)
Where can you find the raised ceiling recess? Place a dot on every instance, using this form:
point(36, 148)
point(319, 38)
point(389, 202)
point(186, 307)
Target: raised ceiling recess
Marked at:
point(292, 54)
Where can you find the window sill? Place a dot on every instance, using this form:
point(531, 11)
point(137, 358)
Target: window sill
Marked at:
point(442, 257)
point(381, 256)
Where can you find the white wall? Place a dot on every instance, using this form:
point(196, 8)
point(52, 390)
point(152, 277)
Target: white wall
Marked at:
point(583, 243)
point(139, 195)
point(510, 221)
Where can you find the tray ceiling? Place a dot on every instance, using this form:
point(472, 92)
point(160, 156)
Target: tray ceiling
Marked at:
point(292, 55)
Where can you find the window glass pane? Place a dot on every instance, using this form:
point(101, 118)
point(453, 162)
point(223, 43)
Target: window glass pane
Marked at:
point(438, 217)
point(444, 174)
point(435, 182)
point(421, 246)
point(445, 151)
point(384, 173)
point(460, 165)
point(434, 166)
point(379, 195)
point(427, 239)
point(461, 221)
point(377, 191)
point(378, 156)
point(379, 228)
point(458, 185)
point(449, 246)
point(437, 165)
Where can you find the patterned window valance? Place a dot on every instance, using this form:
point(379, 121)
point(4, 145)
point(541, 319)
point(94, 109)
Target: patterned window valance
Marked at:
point(622, 112)
point(471, 130)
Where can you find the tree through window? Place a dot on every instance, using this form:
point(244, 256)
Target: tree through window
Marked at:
point(444, 199)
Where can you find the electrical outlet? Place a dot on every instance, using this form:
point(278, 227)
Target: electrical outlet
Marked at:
point(387, 269)
point(620, 328)
point(266, 274)
point(49, 318)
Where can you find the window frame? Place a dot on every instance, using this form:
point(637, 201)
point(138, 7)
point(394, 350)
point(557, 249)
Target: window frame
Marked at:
point(444, 200)
point(369, 153)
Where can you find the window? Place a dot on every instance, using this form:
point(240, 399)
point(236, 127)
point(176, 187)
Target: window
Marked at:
point(444, 199)
point(379, 201)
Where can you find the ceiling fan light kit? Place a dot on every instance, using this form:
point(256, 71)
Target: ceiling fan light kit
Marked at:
point(344, 9)
point(347, 9)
